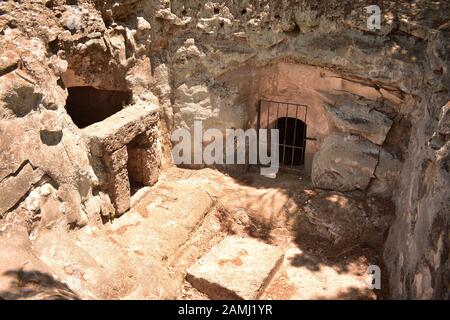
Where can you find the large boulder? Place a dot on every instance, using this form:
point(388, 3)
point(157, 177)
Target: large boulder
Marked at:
point(344, 163)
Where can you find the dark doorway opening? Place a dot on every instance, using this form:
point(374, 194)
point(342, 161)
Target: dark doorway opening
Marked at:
point(290, 120)
point(292, 135)
point(136, 163)
point(88, 105)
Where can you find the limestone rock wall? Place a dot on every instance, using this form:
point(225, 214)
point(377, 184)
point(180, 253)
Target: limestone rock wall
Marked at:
point(50, 46)
point(417, 248)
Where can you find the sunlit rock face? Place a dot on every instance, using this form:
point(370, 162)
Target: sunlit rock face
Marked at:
point(377, 118)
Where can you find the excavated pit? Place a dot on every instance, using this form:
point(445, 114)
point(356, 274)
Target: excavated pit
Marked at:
point(326, 239)
point(93, 206)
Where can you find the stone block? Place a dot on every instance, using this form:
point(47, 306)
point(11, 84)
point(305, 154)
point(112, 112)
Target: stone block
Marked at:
point(236, 268)
point(116, 160)
point(119, 129)
point(119, 190)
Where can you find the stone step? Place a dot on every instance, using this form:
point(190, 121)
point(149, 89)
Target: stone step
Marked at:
point(159, 225)
point(134, 279)
point(236, 268)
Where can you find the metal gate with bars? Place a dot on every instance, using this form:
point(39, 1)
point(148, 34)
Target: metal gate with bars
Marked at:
point(290, 120)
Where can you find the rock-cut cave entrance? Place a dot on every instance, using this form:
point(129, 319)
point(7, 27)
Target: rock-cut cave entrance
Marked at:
point(292, 133)
point(290, 120)
point(88, 105)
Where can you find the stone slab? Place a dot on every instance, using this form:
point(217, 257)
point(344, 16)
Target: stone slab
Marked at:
point(119, 129)
point(237, 268)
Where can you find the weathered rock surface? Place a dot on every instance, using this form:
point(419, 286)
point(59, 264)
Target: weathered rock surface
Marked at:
point(14, 188)
point(416, 250)
point(361, 118)
point(214, 61)
point(388, 173)
point(134, 277)
point(95, 267)
point(236, 268)
point(345, 163)
point(22, 274)
point(78, 269)
point(119, 129)
point(17, 96)
point(344, 221)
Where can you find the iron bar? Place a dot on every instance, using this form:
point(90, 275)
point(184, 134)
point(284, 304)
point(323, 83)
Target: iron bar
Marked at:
point(285, 132)
point(295, 136)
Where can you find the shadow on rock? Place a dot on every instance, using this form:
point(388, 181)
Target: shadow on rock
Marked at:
point(35, 285)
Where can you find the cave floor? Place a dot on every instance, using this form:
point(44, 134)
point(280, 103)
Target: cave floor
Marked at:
point(318, 263)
